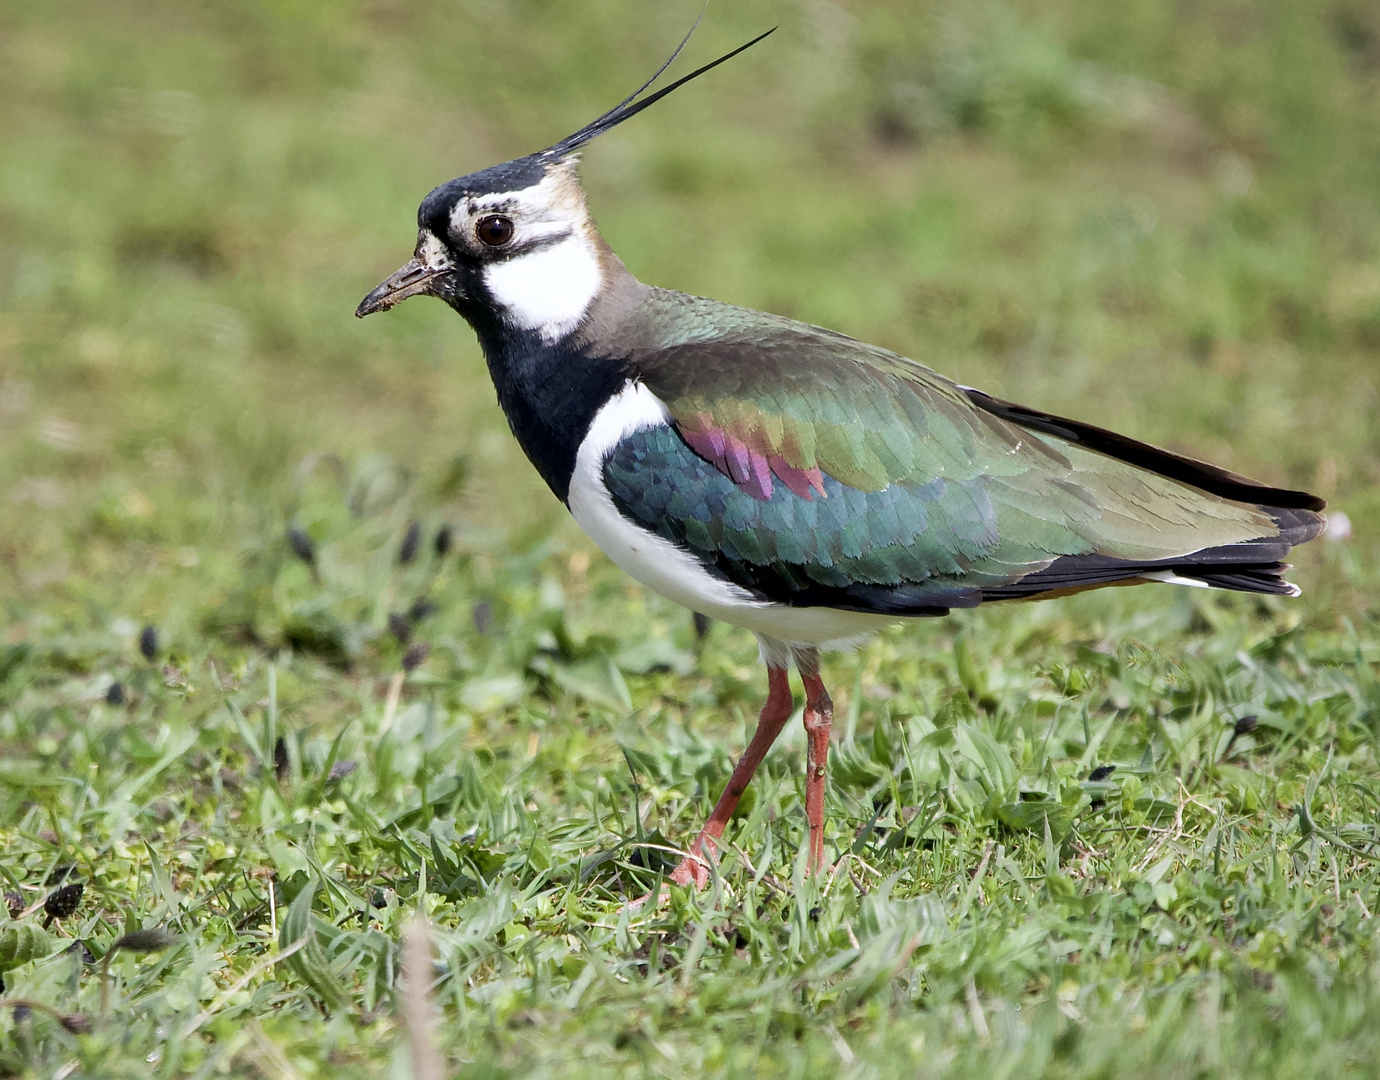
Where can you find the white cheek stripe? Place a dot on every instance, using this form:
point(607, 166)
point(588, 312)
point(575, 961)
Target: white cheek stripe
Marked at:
point(539, 210)
point(525, 202)
point(547, 290)
point(670, 570)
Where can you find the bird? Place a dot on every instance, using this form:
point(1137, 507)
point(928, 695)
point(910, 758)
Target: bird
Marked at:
point(790, 480)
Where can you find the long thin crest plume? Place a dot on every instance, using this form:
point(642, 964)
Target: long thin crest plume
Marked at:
point(630, 106)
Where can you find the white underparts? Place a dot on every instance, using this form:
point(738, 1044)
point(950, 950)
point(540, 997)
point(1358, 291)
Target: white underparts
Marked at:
point(672, 571)
point(652, 560)
point(548, 289)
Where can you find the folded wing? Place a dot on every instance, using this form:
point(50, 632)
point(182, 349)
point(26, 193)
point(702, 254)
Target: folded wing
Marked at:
point(812, 469)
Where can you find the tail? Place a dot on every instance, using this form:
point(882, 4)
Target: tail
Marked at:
point(1208, 569)
point(1256, 566)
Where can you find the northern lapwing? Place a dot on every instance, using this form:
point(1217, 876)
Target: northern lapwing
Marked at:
point(788, 479)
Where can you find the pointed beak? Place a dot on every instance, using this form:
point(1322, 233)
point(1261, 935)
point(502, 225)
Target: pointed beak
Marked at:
point(414, 279)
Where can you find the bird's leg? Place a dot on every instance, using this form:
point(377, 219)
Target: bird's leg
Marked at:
point(775, 713)
point(819, 716)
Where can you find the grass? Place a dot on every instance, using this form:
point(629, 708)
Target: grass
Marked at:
point(1160, 217)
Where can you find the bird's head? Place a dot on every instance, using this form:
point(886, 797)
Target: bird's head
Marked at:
point(515, 242)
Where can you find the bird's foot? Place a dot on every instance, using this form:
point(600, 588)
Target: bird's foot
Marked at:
point(692, 870)
point(635, 907)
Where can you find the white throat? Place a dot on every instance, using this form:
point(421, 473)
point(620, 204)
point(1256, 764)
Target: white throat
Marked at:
point(548, 290)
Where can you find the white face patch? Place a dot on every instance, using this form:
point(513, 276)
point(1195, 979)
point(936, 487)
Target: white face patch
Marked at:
point(547, 290)
point(548, 274)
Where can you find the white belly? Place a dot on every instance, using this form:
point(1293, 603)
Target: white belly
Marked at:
point(672, 571)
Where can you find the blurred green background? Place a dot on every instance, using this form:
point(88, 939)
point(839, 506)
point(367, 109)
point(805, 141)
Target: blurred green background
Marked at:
point(1159, 216)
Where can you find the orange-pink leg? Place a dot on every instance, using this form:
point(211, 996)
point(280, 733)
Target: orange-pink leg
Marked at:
point(819, 716)
point(775, 713)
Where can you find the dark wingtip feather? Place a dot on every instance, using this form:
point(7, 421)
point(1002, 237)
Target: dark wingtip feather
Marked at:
point(1186, 470)
point(1297, 526)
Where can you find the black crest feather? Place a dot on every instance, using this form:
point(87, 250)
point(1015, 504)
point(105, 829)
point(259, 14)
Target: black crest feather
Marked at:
point(630, 106)
point(523, 172)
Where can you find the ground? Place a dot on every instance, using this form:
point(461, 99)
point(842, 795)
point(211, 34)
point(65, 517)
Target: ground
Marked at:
point(294, 643)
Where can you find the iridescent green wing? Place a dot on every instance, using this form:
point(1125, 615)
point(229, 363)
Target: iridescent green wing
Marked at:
point(805, 461)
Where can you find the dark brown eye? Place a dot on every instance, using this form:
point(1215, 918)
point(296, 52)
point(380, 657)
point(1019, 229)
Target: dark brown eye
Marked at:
point(494, 230)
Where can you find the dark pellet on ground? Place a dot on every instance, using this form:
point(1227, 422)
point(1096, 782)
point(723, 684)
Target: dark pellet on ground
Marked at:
point(148, 642)
point(342, 769)
point(302, 545)
point(79, 948)
point(115, 693)
point(411, 541)
point(1101, 773)
point(421, 609)
point(63, 902)
point(416, 655)
point(445, 537)
point(483, 616)
point(400, 627)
